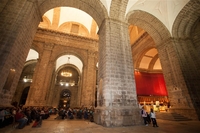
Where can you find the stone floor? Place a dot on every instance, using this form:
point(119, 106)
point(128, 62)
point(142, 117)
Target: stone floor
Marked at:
point(81, 126)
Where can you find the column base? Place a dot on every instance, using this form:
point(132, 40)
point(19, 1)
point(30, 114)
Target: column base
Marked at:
point(117, 116)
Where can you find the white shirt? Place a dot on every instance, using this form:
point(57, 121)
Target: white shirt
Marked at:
point(153, 115)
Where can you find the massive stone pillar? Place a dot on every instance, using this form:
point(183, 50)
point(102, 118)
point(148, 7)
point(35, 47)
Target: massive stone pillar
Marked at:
point(18, 24)
point(176, 65)
point(189, 65)
point(117, 98)
point(39, 90)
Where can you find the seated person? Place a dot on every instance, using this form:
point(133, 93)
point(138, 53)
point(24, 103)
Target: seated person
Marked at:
point(85, 113)
point(20, 117)
point(38, 120)
point(79, 114)
point(42, 113)
point(2, 115)
point(70, 114)
point(62, 113)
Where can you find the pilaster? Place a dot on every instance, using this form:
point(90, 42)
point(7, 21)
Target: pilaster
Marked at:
point(38, 95)
point(88, 90)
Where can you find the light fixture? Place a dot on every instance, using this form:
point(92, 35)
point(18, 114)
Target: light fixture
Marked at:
point(27, 78)
point(67, 83)
point(66, 73)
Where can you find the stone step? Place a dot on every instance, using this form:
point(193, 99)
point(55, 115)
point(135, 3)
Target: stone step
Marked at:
point(171, 116)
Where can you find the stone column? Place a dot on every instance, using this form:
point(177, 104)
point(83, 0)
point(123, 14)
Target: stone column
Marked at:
point(173, 54)
point(189, 61)
point(38, 94)
point(117, 98)
point(19, 21)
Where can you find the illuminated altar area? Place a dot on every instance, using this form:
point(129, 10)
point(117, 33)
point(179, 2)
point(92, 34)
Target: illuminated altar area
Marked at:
point(151, 91)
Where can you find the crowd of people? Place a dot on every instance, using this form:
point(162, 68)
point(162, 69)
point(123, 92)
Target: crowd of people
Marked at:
point(22, 116)
point(76, 113)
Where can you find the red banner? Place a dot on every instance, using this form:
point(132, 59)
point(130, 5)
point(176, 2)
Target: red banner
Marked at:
point(150, 84)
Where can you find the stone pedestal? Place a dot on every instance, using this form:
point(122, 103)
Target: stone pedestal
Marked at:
point(117, 116)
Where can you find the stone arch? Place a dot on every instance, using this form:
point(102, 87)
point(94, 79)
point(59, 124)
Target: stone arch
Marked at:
point(186, 19)
point(152, 63)
point(33, 56)
point(29, 62)
point(186, 35)
point(162, 39)
point(68, 65)
point(77, 53)
point(155, 28)
point(141, 55)
point(94, 8)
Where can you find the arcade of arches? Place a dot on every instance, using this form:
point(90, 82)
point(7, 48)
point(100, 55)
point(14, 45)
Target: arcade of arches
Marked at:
point(70, 53)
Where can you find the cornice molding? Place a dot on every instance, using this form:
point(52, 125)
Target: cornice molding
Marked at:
point(66, 35)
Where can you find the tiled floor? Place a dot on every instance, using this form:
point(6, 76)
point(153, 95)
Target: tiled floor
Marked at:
point(81, 126)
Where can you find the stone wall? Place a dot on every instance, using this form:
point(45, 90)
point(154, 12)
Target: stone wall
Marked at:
point(51, 45)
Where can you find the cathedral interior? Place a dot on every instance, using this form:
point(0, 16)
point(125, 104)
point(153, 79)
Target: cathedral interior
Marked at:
point(114, 55)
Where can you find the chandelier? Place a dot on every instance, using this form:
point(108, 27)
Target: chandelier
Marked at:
point(66, 73)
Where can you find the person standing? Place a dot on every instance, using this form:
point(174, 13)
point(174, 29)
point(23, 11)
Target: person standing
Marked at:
point(144, 116)
point(153, 118)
